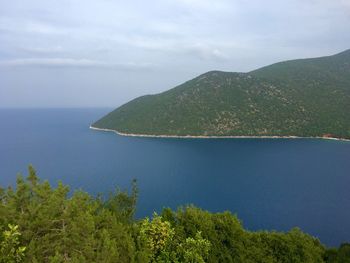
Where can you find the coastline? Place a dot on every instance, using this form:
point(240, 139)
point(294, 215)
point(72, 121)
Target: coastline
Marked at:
point(215, 137)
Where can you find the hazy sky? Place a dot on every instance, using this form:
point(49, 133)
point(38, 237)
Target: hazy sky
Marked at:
point(78, 53)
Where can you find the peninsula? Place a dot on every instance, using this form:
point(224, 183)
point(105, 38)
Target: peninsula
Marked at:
point(296, 98)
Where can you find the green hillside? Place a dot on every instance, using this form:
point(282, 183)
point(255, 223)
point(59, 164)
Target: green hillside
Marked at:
point(305, 97)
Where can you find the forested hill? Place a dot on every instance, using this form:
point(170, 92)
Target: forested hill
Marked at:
point(304, 97)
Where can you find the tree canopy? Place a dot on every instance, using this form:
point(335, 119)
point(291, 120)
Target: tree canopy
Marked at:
point(41, 223)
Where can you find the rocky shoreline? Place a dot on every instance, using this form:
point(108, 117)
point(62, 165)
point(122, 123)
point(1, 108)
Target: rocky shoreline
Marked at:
point(215, 137)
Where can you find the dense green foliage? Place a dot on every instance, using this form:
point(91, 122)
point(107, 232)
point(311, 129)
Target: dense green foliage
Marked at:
point(10, 249)
point(39, 223)
point(306, 97)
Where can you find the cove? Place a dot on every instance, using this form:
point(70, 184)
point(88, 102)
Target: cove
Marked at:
point(269, 183)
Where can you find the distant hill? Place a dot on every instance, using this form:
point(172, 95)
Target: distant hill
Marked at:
point(304, 97)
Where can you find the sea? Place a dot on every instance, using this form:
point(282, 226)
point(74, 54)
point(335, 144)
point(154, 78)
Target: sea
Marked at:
point(270, 184)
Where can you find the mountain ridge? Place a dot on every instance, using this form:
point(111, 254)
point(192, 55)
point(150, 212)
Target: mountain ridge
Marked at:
point(303, 98)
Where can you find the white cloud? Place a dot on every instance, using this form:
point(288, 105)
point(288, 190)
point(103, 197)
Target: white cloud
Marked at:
point(209, 5)
point(43, 50)
point(205, 52)
point(49, 62)
point(181, 38)
point(70, 62)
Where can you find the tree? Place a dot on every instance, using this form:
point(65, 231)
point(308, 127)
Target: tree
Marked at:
point(194, 250)
point(10, 249)
point(156, 235)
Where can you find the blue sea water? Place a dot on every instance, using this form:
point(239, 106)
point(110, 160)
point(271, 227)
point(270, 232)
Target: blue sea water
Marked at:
point(269, 183)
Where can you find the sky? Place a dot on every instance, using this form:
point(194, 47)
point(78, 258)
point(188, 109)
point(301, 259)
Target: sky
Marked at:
point(103, 53)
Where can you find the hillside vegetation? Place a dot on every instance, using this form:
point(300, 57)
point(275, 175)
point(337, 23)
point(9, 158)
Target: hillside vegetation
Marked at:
point(39, 223)
point(305, 97)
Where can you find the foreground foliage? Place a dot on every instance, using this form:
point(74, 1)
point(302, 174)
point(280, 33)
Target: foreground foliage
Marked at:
point(39, 223)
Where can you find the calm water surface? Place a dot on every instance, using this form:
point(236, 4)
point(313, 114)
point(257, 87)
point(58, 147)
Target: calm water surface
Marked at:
point(270, 183)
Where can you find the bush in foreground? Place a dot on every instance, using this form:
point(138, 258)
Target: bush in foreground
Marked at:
point(39, 223)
